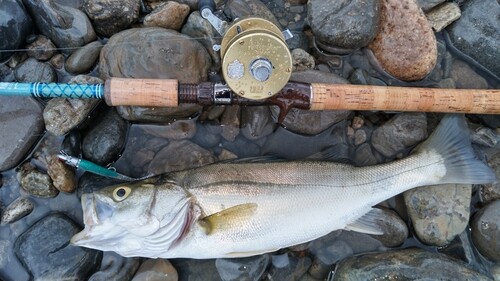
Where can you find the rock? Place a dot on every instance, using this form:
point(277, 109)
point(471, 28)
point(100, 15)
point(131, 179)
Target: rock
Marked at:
point(180, 155)
point(288, 267)
point(226, 155)
point(5, 246)
point(302, 60)
point(109, 16)
point(256, 122)
point(66, 26)
point(319, 270)
point(427, 5)
point(41, 49)
point(407, 264)
point(405, 46)
point(63, 177)
point(440, 212)
point(241, 147)
point(103, 143)
point(17, 210)
point(346, 24)
point(116, 267)
point(72, 143)
point(45, 251)
point(360, 136)
point(465, 77)
point(495, 272)
point(158, 114)
point(57, 61)
point(6, 73)
point(196, 270)
point(15, 26)
point(243, 8)
point(486, 231)
point(400, 132)
point(251, 268)
point(474, 35)
point(35, 182)
point(207, 135)
point(394, 229)
point(62, 115)
point(315, 76)
point(21, 117)
point(156, 270)
point(230, 122)
point(364, 156)
point(32, 70)
point(178, 130)
point(443, 15)
point(170, 15)
point(82, 60)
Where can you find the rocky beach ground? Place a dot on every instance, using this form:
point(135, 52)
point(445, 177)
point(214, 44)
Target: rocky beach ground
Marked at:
point(449, 232)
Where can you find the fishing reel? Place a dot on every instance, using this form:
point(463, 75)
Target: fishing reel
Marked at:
point(256, 61)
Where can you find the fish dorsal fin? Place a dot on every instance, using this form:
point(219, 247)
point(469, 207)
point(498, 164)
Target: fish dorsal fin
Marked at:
point(369, 223)
point(227, 218)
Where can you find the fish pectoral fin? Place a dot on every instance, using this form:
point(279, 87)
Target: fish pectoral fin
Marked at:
point(249, 253)
point(228, 218)
point(369, 223)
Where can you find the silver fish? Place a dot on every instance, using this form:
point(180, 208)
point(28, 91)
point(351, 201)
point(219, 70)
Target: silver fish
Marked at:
point(238, 210)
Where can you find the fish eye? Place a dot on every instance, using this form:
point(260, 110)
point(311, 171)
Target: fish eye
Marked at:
point(120, 193)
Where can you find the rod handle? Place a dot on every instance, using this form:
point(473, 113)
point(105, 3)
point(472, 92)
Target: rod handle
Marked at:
point(365, 97)
point(141, 92)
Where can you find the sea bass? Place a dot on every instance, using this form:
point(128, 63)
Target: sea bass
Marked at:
point(244, 209)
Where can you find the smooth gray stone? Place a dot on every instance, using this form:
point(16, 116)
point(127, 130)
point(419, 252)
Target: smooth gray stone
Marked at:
point(82, 60)
point(32, 70)
point(15, 25)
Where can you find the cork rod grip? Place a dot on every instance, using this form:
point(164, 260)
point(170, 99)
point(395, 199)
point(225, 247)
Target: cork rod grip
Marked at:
point(363, 97)
point(141, 92)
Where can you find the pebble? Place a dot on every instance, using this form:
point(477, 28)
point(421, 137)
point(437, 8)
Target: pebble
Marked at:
point(104, 141)
point(360, 137)
point(319, 270)
point(109, 16)
point(302, 60)
point(57, 61)
point(427, 5)
point(44, 250)
point(35, 182)
point(32, 70)
point(394, 229)
point(226, 155)
point(406, 264)
point(486, 231)
point(405, 45)
point(170, 15)
point(41, 49)
point(116, 267)
point(83, 59)
point(22, 118)
point(62, 115)
point(256, 122)
point(196, 270)
point(230, 123)
point(363, 156)
point(289, 268)
point(399, 133)
point(440, 212)
point(15, 26)
point(17, 210)
point(465, 77)
point(443, 15)
point(347, 24)
point(63, 177)
point(6, 73)
point(251, 268)
point(156, 270)
point(66, 26)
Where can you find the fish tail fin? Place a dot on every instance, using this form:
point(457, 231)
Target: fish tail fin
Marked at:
point(452, 142)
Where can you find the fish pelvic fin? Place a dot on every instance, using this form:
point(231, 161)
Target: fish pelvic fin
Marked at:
point(228, 218)
point(452, 142)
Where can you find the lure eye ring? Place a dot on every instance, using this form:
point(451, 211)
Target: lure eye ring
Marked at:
point(121, 193)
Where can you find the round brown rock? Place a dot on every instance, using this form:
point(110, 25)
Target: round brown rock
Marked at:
point(486, 231)
point(170, 15)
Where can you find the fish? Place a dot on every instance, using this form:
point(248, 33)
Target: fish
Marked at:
point(227, 210)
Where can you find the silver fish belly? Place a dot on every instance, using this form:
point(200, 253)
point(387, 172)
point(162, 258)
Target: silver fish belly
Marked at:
point(237, 210)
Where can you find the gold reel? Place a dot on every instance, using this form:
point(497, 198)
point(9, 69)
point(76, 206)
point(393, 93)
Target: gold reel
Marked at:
point(256, 62)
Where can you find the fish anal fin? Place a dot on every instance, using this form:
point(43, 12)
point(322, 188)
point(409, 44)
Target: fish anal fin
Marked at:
point(248, 253)
point(227, 218)
point(369, 223)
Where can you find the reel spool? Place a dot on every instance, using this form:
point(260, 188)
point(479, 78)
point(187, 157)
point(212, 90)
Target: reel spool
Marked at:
point(256, 62)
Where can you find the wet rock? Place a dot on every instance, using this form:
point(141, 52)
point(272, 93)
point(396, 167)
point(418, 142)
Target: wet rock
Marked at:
point(170, 15)
point(109, 16)
point(82, 60)
point(195, 270)
point(241, 147)
point(17, 210)
point(316, 76)
point(115, 267)
point(405, 265)
point(347, 24)
point(180, 155)
point(226, 155)
point(62, 115)
point(207, 135)
point(104, 141)
point(474, 33)
point(32, 70)
point(45, 251)
point(66, 26)
point(251, 268)
point(427, 5)
point(5, 246)
point(63, 177)
point(405, 46)
point(288, 267)
point(256, 122)
point(360, 136)
point(394, 228)
point(319, 270)
point(230, 122)
point(364, 156)
point(486, 231)
point(22, 118)
point(156, 270)
point(72, 143)
point(158, 114)
point(6, 73)
point(35, 182)
point(443, 15)
point(57, 61)
point(15, 25)
point(399, 133)
point(301, 60)
point(244, 8)
point(178, 130)
point(465, 77)
point(495, 272)
point(41, 49)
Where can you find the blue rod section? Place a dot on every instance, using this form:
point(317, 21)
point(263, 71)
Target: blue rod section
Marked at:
point(52, 90)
